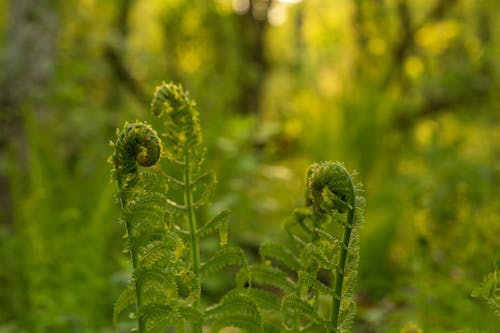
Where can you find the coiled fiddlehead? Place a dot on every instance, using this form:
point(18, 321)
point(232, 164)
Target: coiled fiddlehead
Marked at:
point(137, 145)
point(331, 188)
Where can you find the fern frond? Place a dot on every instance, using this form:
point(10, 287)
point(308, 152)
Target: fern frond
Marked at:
point(224, 257)
point(154, 252)
point(292, 304)
point(327, 236)
point(306, 280)
point(214, 223)
point(331, 187)
point(264, 299)
point(159, 317)
point(313, 254)
point(489, 291)
point(156, 279)
point(163, 237)
point(332, 192)
point(270, 276)
point(235, 309)
point(346, 318)
point(126, 298)
point(280, 253)
point(137, 145)
point(182, 124)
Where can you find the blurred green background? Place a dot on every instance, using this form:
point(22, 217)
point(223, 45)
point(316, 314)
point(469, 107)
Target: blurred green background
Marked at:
point(406, 92)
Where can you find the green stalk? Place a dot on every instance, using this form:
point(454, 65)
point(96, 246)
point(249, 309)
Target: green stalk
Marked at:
point(137, 285)
point(195, 248)
point(340, 270)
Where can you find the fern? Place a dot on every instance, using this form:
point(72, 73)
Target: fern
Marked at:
point(235, 309)
point(161, 185)
point(162, 231)
point(224, 257)
point(489, 291)
point(333, 202)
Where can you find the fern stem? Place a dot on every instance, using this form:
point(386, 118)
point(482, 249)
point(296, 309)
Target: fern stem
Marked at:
point(340, 269)
point(195, 249)
point(135, 263)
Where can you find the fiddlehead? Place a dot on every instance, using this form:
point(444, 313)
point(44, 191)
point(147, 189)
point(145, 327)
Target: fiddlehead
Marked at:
point(137, 145)
point(331, 188)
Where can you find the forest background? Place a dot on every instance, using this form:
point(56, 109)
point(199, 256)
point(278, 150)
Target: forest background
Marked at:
point(406, 92)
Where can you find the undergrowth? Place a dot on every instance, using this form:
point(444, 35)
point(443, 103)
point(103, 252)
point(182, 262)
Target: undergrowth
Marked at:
point(305, 285)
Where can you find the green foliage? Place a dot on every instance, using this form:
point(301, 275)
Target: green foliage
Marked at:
point(163, 235)
point(490, 291)
point(164, 250)
point(421, 127)
point(333, 204)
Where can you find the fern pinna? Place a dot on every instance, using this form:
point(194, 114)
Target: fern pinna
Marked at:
point(286, 292)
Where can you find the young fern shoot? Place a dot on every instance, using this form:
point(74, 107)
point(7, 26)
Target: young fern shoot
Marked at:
point(284, 293)
point(333, 192)
point(162, 231)
point(333, 206)
point(163, 285)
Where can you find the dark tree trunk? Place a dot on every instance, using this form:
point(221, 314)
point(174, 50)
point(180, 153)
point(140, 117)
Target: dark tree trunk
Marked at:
point(253, 27)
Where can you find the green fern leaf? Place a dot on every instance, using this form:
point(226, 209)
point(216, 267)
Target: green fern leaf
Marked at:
point(271, 276)
point(224, 257)
point(126, 298)
point(154, 252)
point(280, 253)
point(159, 317)
point(182, 123)
point(235, 309)
point(294, 304)
point(306, 280)
point(346, 318)
point(213, 224)
point(264, 299)
point(314, 253)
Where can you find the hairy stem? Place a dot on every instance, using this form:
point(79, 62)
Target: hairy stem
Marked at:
point(340, 269)
point(195, 249)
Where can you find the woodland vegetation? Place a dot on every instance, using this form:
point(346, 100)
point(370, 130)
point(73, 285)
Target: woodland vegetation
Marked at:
point(403, 91)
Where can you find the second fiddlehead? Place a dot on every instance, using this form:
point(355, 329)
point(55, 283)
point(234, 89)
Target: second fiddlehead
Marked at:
point(333, 192)
point(324, 235)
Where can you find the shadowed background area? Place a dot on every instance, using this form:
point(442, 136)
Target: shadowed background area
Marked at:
point(403, 91)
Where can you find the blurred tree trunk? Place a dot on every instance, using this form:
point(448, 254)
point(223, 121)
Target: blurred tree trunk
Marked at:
point(113, 53)
point(253, 25)
point(28, 67)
